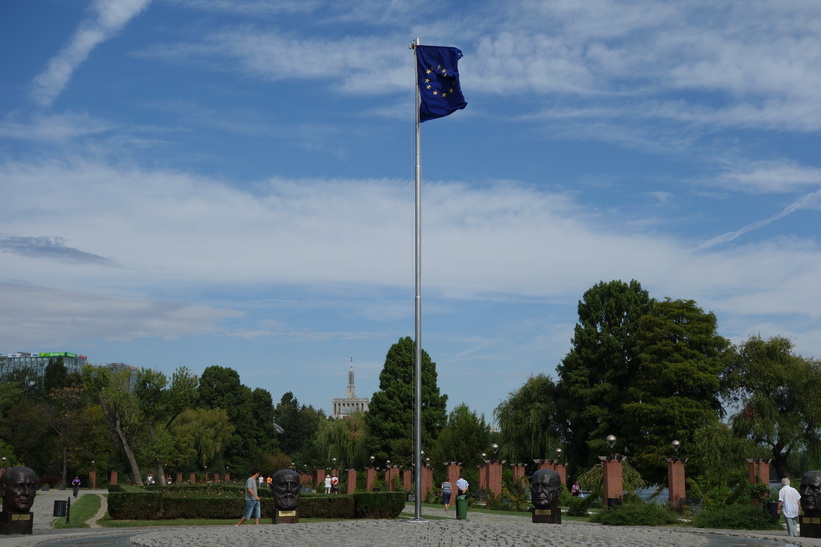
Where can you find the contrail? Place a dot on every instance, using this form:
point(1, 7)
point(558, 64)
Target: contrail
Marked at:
point(108, 18)
point(802, 203)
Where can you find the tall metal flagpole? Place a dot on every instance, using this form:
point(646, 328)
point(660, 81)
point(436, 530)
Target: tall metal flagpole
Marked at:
point(417, 355)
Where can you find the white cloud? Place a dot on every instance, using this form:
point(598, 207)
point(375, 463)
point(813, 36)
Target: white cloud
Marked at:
point(108, 18)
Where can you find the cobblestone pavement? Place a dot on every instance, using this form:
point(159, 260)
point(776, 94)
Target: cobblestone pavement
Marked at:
point(438, 529)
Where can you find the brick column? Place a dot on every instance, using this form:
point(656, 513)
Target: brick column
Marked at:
point(494, 477)
point(454, 470)
point(543, 464)
point(518, 472)
point(227, 477)
point(676, 484)
point(320, 480)
point(216, 477)
point(370, 479)
point(113, 479)
point(92, 478)
point(427, 481)
point(192, 478)
point(483, 477)
point(351, 481)
point(758, 471)
point(561, 469)
point(407, 475)
point(613, 484)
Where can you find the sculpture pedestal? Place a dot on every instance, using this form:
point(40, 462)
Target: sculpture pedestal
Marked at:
point(548, 516)
point(16, 523)
point(285, 517)
point(810, 526)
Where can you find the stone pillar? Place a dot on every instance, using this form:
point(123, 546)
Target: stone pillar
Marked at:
point(613, 484)
point(518, 472)
point(320, 480)
point(351, 481)
point(92, 479)
point(676, 484)
point(370, 479)
point(113, 479)
point(407, 475)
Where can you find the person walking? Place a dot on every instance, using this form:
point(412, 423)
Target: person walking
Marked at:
point(75, 484)
point(327, 484)
point(251, 499)
point(788, 505)
point(447, 492)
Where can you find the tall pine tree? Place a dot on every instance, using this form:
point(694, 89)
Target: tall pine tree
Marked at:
point(390, 413)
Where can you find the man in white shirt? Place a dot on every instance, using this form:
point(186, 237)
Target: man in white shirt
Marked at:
point(788, 498)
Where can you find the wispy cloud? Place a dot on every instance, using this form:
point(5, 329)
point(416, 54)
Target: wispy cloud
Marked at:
point(47, 247)
point(809, 201)
point(107, 18)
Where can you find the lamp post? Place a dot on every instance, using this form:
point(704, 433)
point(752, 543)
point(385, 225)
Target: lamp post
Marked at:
point(558, 455)
point(495, 448)
point(611, 442)
point(676, 444)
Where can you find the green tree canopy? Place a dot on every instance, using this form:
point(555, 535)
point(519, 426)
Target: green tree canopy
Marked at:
point(528, 421)
point(595, 376)
point(390, 414)
point(776, 394)
point(464, 438)
point(676, 386)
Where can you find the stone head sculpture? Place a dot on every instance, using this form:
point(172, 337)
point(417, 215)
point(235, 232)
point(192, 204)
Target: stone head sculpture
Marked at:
point(545, 489)
point(285, 485)
point(810, 491)
point(18, 486)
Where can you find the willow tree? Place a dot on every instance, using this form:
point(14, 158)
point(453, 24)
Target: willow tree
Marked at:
point(776, 394)
point(528, 422)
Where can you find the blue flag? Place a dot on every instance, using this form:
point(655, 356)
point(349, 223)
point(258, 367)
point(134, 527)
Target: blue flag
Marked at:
point(439, 88)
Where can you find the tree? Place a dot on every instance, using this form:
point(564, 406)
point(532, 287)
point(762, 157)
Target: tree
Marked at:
point(595, 376)
point(464, 438)
point(676, 386)
point(299, 424)
point(776, 393)
point(121, 410)
point(208, 429)
point(160, 405)
point(528, 421)
point(250, 414)
point(63, 408)
point(390, 416)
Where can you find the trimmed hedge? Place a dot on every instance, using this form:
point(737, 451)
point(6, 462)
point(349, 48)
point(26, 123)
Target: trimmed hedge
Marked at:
point(134, 503)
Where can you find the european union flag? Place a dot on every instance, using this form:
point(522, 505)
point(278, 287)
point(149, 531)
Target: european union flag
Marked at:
point(439, 88)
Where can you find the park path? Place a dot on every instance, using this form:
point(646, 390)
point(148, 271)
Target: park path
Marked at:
point(92, 522)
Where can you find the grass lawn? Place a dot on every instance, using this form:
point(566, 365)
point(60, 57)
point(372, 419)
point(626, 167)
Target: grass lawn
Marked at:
point(80, 511)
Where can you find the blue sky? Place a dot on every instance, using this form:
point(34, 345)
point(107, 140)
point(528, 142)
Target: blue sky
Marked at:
point(230, 182)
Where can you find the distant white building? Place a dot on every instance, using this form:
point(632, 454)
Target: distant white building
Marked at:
point(344, 407)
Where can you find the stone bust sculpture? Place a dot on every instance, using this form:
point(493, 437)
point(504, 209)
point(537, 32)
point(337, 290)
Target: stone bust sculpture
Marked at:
point(545, 489)
point(285, 486)
point(810, 491)
point(18, 486)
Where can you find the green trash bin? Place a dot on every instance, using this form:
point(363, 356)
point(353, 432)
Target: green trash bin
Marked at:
point(461, 507)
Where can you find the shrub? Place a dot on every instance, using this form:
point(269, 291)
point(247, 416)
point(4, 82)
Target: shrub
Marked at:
point(379, 505)
point(636, 512)
point(736, 517)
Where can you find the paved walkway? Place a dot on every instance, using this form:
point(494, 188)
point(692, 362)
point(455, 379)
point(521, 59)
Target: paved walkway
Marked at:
point(441, 529)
